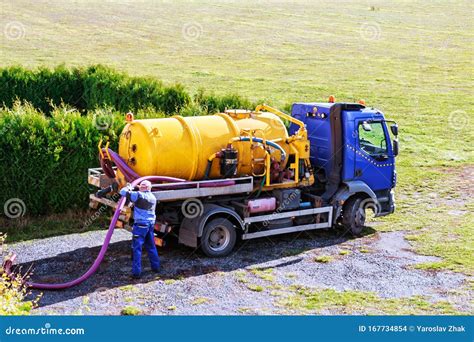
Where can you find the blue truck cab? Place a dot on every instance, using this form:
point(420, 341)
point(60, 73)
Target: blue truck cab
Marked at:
point(353, 152)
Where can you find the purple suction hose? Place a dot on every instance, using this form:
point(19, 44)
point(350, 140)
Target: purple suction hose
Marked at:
point(105, 245)
point(103, 249)
point(132, 176)
point(94, 266)
point(128, 173)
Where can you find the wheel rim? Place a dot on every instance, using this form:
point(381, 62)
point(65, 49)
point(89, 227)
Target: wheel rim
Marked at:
point(360, 217)
point(219, 238)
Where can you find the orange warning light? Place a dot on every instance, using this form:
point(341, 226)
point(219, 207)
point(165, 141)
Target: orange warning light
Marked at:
point(129, 117)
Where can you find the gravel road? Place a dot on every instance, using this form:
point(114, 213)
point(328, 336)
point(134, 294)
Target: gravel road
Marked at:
point(242, 283)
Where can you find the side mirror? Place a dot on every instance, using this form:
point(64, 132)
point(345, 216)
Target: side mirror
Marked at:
point(394, 129)
point(395, 147)
point(366, 126)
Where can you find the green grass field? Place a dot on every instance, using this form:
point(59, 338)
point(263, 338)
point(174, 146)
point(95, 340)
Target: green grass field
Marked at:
point(411, 59)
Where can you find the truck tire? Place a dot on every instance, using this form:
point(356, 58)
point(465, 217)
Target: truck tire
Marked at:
point(353, 216)
point(218, 237)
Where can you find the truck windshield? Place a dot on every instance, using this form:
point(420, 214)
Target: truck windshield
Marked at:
point(372, 139)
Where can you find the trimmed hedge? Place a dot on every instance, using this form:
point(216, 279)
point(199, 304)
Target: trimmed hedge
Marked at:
point(87, 89)
point(44, 160)
point(98, 86)
point(214, 104)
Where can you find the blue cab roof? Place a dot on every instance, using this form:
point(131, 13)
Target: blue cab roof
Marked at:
point(315, 104)
point(324, 107)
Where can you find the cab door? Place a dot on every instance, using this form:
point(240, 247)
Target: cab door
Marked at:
point(374, 160)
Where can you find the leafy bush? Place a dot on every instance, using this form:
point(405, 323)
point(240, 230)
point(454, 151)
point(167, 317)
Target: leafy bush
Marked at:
point(42, 87)
point(213, 104)
point(193, 109)
point(44, 160)
point(97, 86)
point(87, 89)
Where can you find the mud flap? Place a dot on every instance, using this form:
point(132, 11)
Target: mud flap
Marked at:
point(188, 233)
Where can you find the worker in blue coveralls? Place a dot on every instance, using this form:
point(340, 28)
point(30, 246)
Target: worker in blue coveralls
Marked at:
point(143, 226)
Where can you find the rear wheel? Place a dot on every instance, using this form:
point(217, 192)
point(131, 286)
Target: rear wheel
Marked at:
point(353, 216)
point(218, 237)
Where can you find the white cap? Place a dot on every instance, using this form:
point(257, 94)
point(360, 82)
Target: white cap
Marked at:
point(145, 184)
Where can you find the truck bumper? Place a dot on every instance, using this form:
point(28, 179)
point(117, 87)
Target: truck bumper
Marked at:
point(387, 207)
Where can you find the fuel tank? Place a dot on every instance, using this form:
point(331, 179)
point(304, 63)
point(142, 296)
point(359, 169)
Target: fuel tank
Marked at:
point(181, 146)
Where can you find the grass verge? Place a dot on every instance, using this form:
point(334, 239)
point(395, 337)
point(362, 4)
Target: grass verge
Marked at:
point(30, 228)
point(358, 302)
point(436, 210)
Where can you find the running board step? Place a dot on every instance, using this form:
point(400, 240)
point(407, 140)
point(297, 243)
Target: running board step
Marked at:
point(285, 214)
point(292, 229)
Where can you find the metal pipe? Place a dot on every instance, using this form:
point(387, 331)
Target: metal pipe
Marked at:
point(209, 165)
point(265, 142)
point(302, 129)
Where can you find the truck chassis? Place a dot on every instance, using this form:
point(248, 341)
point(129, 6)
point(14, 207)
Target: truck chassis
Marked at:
point(226, 203)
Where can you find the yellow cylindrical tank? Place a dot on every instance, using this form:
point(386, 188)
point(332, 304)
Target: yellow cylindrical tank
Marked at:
point(180, 146)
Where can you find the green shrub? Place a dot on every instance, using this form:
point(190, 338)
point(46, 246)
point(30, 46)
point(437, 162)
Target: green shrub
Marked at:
point(213, 103)
point(174, 98)
point(44, 160)
point(42, 88)
point(98, 86)
point(193, 109)
point(88, 88)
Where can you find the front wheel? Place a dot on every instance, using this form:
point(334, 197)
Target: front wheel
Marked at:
point(353, 216)
point(218, 237)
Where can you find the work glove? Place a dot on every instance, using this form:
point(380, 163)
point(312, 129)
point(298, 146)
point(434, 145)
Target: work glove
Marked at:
point(125, 189)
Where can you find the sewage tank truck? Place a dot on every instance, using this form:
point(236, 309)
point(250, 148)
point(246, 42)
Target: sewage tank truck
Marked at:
point(243, 174)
